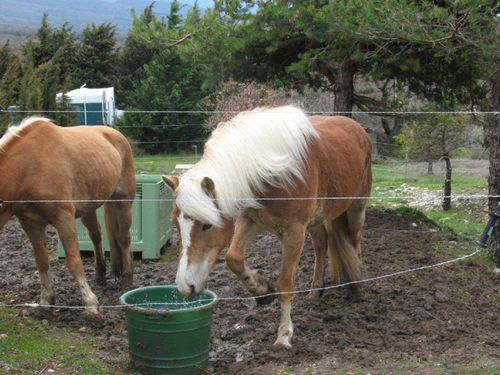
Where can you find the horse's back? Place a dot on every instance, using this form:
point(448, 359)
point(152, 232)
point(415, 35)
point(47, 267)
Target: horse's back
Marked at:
point(341, 137)
point(102, 154)
point(342, 157)
point(342, 130)
point(84, 162)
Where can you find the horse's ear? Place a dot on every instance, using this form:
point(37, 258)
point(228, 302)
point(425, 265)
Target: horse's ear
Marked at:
point(208, 186)
point(171, 181)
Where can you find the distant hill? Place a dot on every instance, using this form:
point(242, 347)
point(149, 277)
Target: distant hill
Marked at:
point(23, 17)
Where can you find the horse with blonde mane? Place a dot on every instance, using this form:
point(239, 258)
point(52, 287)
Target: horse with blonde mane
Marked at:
point(275, 169)
point(51, 175)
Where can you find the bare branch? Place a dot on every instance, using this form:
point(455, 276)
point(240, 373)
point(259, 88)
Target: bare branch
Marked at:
point(177, 42)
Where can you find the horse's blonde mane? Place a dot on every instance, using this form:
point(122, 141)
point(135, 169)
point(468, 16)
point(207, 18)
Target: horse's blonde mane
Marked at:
point(266, 146)
point(14, 130)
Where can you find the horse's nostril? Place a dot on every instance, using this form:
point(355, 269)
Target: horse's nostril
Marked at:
point(192, 289)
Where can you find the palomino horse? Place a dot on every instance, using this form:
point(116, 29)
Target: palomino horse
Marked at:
point(276, 170)
point(50, 175)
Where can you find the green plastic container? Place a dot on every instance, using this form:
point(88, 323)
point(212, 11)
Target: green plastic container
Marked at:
point(167, 332)
point(151, 227)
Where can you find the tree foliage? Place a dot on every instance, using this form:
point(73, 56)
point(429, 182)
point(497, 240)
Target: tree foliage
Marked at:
point(436, 137)
point(432, 46)
point(174, 82)
point(10, 82)
point(132, 59)
point(60, 43)
point(97, 55)
point(171, 93)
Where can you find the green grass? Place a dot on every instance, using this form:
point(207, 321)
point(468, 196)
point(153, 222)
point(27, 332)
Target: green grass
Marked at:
point(386, 177)
point(28, 345)
point(391, 190)
point(464, 224)
point(161, 164)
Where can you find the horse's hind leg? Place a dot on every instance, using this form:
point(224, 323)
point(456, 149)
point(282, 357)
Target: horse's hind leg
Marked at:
point(118, 222)
point(92, 224)
point(320, 245)
point(36, 234)
point(356, 215)
point(65, 225)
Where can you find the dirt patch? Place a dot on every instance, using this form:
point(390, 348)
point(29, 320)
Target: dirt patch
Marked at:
point(434, 320)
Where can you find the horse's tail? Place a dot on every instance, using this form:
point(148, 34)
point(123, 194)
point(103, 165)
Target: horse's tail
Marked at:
point(118, 216)
point(345, 234)
point(343, 246)
point(112, 228)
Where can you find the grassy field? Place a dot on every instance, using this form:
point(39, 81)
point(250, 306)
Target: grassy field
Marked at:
point(162, 164)
point(31, 346)
point(26, 343)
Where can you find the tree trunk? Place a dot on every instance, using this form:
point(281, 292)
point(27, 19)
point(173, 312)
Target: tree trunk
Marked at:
point(429, 168)
point(447, 185)
point(494, 144)
point(343, 87)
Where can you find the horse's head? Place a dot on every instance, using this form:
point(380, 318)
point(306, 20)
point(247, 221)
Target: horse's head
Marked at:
point(201, 241)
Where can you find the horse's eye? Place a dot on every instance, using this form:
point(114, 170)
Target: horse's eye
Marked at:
point(206, 227)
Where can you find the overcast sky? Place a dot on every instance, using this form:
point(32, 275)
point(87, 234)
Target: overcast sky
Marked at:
point(201, 3)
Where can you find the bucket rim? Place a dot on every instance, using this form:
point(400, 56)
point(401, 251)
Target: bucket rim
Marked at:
point(150, 310)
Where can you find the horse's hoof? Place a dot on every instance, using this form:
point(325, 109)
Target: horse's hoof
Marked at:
point(268, 297)
point(100, 279)
point(354, 294)
point(315, 295)
point(43, 313)
point(126, 281)
point(283, 342)
point(92, 312)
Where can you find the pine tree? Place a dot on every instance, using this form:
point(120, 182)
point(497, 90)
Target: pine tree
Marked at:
point(10, 77)
point(131, 60)
point(49, 74)
point(97, 56)
point(30, 95)
point(64, 115)
point(174, 19)
point(435, 48)
point(61, 41)
point(171, 84)
point(10, 82)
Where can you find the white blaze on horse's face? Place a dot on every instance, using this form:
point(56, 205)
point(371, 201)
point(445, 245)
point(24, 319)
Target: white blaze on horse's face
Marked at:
point(201, 245)
point(191, 277)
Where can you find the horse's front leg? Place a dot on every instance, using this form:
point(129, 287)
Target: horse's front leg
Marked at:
point(293, 243)
point(245, 230)
point(36, 234)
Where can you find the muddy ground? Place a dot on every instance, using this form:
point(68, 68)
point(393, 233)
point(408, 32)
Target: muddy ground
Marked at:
point(441, 320)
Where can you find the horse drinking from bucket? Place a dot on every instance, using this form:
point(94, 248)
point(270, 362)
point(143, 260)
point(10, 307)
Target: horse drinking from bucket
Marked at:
point(50, 175)
point(277, 170)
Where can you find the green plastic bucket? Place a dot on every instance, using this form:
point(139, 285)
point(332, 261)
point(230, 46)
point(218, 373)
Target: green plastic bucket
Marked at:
point(167, 332)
